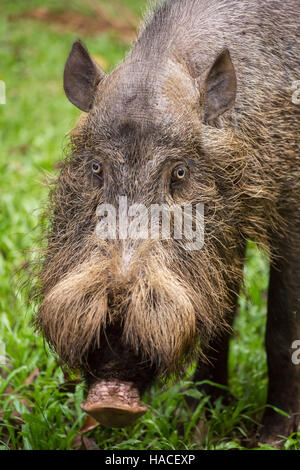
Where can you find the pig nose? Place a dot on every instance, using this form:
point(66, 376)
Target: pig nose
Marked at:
point(127, 255)
point(124, 262)
point(114, 404)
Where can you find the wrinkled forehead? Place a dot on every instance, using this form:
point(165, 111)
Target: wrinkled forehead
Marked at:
point(131, 141)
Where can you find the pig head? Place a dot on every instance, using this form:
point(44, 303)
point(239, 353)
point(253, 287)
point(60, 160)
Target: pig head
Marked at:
point(128, 311)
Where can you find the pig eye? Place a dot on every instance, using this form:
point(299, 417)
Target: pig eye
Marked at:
point(97, 170)
point(178, 174)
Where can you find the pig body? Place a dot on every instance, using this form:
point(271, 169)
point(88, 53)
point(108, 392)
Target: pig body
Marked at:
point(200, 112)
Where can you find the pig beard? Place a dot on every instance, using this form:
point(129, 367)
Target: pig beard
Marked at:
point(168, 309)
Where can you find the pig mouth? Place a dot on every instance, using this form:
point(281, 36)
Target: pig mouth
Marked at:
point(114, 403)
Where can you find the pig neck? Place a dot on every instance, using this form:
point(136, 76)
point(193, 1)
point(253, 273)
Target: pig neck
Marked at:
point(192, 32)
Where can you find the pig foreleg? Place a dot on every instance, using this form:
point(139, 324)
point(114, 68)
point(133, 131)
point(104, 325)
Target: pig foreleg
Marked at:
point(282, 341)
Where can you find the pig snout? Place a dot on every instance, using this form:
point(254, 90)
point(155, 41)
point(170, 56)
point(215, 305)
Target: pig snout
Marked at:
point(114, 403)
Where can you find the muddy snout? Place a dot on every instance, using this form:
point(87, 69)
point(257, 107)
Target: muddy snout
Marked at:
point(114, 403)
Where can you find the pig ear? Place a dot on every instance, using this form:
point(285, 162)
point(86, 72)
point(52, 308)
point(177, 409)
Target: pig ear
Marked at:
point(219, 85)
point(81, 77)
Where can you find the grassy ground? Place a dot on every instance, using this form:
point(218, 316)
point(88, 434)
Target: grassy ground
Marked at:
point(36, 412)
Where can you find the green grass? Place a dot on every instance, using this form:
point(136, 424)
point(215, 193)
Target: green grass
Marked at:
point(40, 415)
